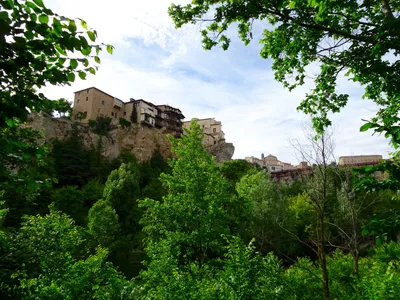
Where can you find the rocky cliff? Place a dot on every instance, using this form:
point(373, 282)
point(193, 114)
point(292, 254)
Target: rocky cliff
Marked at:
point(141, 141)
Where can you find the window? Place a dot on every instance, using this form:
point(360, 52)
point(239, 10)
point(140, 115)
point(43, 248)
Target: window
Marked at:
point(203, 126)
point(102, 102)
point(87, 98)
point(112, 114)
point(87, 91)
point(215, 142)
point(124, 113)
point(214, 130)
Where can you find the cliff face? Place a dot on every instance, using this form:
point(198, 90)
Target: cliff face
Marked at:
point(141, 141)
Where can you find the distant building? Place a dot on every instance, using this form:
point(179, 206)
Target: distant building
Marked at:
point(359, 160)
point(270, 162)
point(92, 103)
point(212, 130)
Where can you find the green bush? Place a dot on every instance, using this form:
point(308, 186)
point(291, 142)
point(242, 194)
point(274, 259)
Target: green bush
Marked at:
point(124, 123)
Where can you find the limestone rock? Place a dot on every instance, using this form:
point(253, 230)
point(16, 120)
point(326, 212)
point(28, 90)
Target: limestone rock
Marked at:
point(141, 141)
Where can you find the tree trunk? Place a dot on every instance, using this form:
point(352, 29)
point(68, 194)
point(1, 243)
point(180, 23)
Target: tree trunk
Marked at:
point(322, 257)
point(356, 256)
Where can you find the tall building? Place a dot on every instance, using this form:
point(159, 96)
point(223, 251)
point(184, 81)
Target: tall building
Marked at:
point(212, 130)
point(92, 103)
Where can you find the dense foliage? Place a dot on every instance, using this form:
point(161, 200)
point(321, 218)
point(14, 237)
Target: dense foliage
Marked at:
point(74, 225)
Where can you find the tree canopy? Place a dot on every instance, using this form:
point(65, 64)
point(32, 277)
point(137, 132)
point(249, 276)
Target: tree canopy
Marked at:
point(360, 39)
point(39, 47)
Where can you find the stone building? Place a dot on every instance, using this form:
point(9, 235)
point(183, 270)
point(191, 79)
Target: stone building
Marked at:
point(271, 163)
point(359, 160)
point(92, 103)
point(212, 129)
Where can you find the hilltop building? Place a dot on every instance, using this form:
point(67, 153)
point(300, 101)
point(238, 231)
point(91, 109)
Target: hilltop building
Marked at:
point(272, 163)
point(359, 160)
point(92, 103)
point(212, 129)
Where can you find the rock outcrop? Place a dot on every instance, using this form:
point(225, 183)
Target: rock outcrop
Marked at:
point(141, 141)
point(222, 151)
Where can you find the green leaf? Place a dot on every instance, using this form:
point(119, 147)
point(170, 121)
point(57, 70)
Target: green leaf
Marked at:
point(86, 51)
point(10, 122)
point(10, 4)
point(60, 50)
point(364, 232)
point(92, 71)
point(39, 3)
point(73, 63)
point(84, 24)
point(97, 59)
point(72, 26)
point(365, 127)
point(71, 77)
point(44, 19)
point(82, 75)
point(110, 49)
point(3, 15)
point(91, 35)
point(33, 17)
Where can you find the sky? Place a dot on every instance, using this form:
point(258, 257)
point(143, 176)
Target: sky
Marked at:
point(154, 61)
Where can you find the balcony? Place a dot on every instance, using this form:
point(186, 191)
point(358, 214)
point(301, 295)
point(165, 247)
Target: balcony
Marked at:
point(118, 103)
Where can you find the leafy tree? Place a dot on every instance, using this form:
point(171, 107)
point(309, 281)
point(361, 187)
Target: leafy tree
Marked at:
point(49, 269)
point(69, 200)
point(265, 208)
point(71, 160)
point(235, 169)
point(190, 220)
point(63, 107)
point(122, 191)
point(35, 44)
point(350, 37)
point(243, 274)
point(103, 224)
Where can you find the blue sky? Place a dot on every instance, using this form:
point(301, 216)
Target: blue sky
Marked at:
point(156, 62)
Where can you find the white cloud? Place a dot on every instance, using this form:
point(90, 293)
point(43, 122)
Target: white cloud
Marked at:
point(155, 62)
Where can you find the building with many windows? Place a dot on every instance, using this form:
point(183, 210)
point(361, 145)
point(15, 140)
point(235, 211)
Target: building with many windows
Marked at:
point(92, 103)
point(212, 130)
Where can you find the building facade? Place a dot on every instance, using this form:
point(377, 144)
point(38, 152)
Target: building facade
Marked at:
point(212, 130)
point(92, 103)
point(271, 163)
point(359, 160)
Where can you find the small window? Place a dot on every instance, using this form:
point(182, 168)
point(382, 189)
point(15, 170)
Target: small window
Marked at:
point(112, 114)
point(215, 142)
point(87, 98)
point(87, 91)
point(214, 130)
point(203, 126)
point(124, 113)
point(102, 102)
